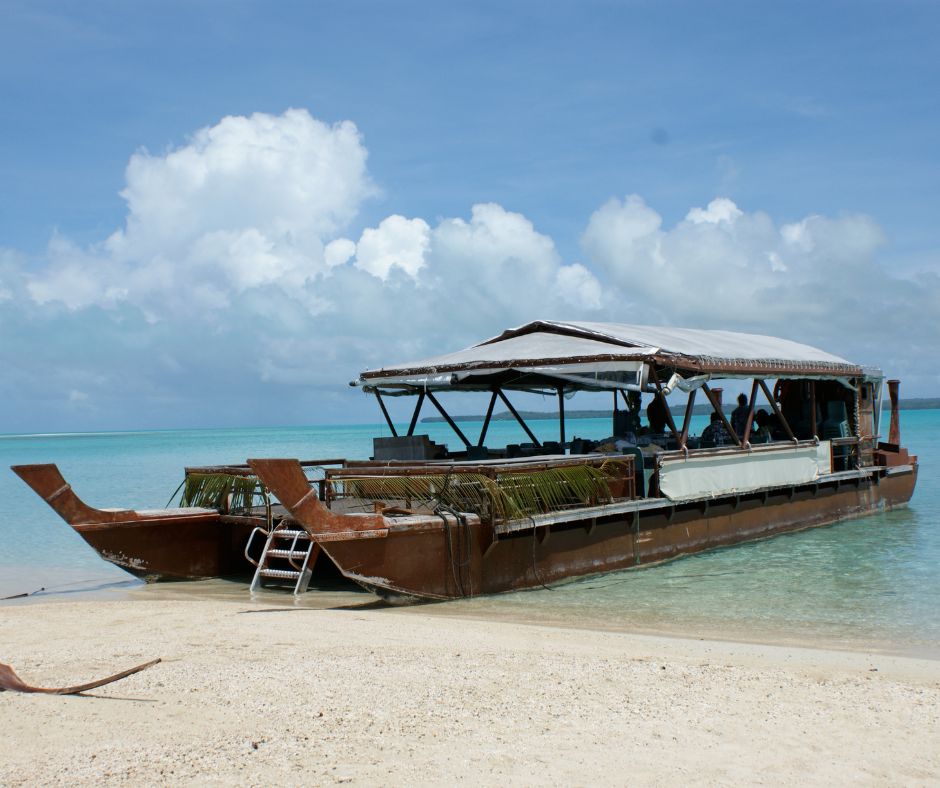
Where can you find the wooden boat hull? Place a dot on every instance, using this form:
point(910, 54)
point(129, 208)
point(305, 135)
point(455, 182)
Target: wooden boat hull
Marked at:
point(429, 562)
point(175, 548)
point(161, 544)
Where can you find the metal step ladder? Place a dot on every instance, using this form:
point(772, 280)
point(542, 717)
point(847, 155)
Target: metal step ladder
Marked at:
point(291, 549)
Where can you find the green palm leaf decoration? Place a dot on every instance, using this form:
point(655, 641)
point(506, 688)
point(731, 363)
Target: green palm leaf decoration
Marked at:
point(507, 496)
point(222, 491)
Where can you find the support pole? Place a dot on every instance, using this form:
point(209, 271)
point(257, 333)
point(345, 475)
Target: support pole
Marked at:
point(812, 405)
point(414, 417)
point(561, 417)
point(773, 403)
point(750, 415)
point(388, 419)
point(613, 430)
point(518, 418)
point(486, 421)
point(690, 406)
point(449, 420)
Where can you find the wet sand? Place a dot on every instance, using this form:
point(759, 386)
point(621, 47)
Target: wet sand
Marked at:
point(261, 692)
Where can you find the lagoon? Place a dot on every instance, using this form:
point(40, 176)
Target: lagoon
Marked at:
point(869, 584)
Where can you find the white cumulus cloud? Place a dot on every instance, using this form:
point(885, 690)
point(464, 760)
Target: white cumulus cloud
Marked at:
point(396, 243)
point(235, 280)
point(817, 280)
point(249, 202)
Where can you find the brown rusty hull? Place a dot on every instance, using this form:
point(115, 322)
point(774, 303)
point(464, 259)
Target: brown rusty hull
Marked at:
point(159, 544)
point(418, 563)
point(176, 548)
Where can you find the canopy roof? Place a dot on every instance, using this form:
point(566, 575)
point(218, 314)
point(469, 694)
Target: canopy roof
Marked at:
point(609, 355)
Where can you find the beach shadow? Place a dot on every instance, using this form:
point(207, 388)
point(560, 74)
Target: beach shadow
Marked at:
point(376, 604)
point(110, 697)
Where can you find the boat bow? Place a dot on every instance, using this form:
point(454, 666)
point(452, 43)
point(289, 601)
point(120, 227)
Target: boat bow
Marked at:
point(286, 479)
point(156, 544)
point(48, 483)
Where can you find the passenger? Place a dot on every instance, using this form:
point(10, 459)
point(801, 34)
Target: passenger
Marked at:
point(739, 415)
point(656, 414)
point(715, 434)
point(763, 433)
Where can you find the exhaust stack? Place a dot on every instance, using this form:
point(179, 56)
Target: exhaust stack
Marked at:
point(894, 434)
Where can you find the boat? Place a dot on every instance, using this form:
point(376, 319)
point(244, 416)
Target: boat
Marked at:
point(422, 521)
point(518, 517)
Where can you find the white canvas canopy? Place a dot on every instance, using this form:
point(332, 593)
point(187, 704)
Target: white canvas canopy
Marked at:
point(608, 355)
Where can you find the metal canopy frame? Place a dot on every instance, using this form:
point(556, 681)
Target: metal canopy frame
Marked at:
point(743, 441)
point(497, 393)
point(655, 387)
point(519, 418)
point(486, 421)
point(388, 419)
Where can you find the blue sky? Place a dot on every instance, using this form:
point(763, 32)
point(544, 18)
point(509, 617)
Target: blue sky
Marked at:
point(816, 123)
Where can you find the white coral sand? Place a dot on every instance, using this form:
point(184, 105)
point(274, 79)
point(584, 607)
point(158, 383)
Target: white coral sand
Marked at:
point(252, 694)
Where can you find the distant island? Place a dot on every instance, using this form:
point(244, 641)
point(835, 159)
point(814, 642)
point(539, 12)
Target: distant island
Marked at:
point(913, 403)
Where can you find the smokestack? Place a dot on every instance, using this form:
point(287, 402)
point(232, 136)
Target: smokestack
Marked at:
point(717, 393)
point(894, 434)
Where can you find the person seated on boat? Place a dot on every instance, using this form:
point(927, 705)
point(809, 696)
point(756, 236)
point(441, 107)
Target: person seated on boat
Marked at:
point(626, 423)
point(739, 415)
point(656, 415)
point(715, 434)
point(777, 432)
point(762, 432)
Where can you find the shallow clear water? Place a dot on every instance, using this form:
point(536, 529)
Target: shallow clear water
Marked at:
point(867, 583)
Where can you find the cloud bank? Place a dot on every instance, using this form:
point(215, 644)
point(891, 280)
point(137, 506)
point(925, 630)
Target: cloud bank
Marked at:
point(240, 290)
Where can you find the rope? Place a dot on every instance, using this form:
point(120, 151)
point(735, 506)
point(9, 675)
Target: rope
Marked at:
point(535, 571)
point(53, 588)
point(25, 594)
point(439, 509)
point(459, 559)
point(450, 552)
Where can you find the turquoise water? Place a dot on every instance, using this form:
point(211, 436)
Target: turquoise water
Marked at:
point(867, 583)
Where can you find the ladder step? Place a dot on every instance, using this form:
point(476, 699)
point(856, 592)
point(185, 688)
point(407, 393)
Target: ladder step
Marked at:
point(282, 534)
point(287, 553)
point(285, 574)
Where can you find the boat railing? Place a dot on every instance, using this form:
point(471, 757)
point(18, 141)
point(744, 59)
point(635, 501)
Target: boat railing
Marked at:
point(242, 469)
point(845, 453)
point(733, 450)
point(235, 491)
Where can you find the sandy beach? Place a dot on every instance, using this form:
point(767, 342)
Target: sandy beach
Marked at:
point(253, 693)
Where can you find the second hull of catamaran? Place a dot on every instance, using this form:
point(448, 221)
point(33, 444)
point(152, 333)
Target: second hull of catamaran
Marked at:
point(185, 543)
